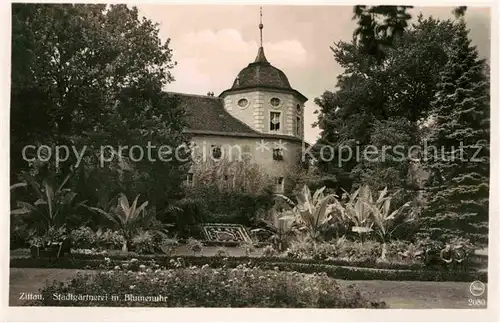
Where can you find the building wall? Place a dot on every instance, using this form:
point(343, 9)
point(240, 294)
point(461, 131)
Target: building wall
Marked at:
point(239, 148)
point(256, 113)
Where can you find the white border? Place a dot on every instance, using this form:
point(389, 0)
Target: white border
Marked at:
point(246, 315)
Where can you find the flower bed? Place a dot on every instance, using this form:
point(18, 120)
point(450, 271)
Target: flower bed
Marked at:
point(203, 287)
point(348, 273)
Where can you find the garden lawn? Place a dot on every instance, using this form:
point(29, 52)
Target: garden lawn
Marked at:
point(410, 295)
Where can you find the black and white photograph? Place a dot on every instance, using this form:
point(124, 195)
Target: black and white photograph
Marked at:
point(258, 155)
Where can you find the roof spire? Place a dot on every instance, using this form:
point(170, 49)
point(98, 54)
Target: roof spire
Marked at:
point(261, 58)
point(261, 26)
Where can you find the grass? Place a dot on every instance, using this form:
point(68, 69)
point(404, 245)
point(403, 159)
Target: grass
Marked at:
point(405, 295)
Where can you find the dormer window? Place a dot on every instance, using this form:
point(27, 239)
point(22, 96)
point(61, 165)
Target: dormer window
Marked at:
point(278, 154)
point(274, 121)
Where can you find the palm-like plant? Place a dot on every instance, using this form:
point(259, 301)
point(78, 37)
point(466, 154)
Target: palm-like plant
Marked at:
point(385, 220)
point(313, 212)
point(128, 218)
point(54, 204)
point(357, 212)
point(280, 226)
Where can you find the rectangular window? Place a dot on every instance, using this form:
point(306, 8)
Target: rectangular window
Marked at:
point(190, 180)
point(297, 126)
point(278, 154)
point(280, 185)
point(216, 152)
point(274, 121)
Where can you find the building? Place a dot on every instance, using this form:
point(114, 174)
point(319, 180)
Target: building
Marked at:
point(260, 118)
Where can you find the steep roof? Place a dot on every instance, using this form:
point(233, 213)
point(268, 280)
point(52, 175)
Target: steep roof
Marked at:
point(206, 115)
point(261, 74)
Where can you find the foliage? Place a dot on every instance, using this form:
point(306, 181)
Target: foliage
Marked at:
point(207, 287)
point(380, 105)
point(143, 242)
point(364, 214)
point(459, 166)
point(268, 251)
point(127, 218)
point(308, 249)
point(356, 211)
point(221, 252)
point(235, 176)
point(75, 65)
point(248, 247)
point(52, 235)
point(223, 192)
point(109, 239)
point(459, 11)
point(311, 215)
point(84, 238)
point(373, 34)
point(359, 250)
point(194, 245)
point(386, 219)
point(334, 269)
point(19, 234)
point(391, 168)
point(278, 226)
point(210, 205)
point(54, 207)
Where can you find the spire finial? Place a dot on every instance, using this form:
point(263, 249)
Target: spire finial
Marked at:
point(261, 26)
point(261, 58)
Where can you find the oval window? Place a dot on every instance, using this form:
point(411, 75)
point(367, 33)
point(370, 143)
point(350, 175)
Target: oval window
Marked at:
point(243, 103)
point(275, 102)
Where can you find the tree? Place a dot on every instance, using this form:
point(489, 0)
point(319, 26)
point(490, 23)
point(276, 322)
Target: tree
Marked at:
point(459, 11)
point(459, 163)
point(91, 75)
point(380, 105)
point(374, 34)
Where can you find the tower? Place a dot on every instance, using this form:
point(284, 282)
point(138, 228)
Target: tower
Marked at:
point(261, 96)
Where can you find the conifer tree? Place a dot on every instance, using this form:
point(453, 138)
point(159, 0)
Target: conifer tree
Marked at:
point(458, 150)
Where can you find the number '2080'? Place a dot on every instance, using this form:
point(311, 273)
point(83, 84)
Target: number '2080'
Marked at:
point(477, 302)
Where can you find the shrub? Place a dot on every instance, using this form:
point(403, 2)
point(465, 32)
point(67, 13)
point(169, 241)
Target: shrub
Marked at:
point(19, 235)
point(53, 207)
point(144, 242)
point(221, 252)
point(268, 251)
point(390, 271)
point(166, 245)
point(83, 238)
point(206, 287)
point(194, 245)
point(248, 248)
point(52, 235)
point(353, 250)
point(109, 239)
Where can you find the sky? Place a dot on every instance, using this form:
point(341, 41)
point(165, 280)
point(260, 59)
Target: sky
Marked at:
point(212, 43)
